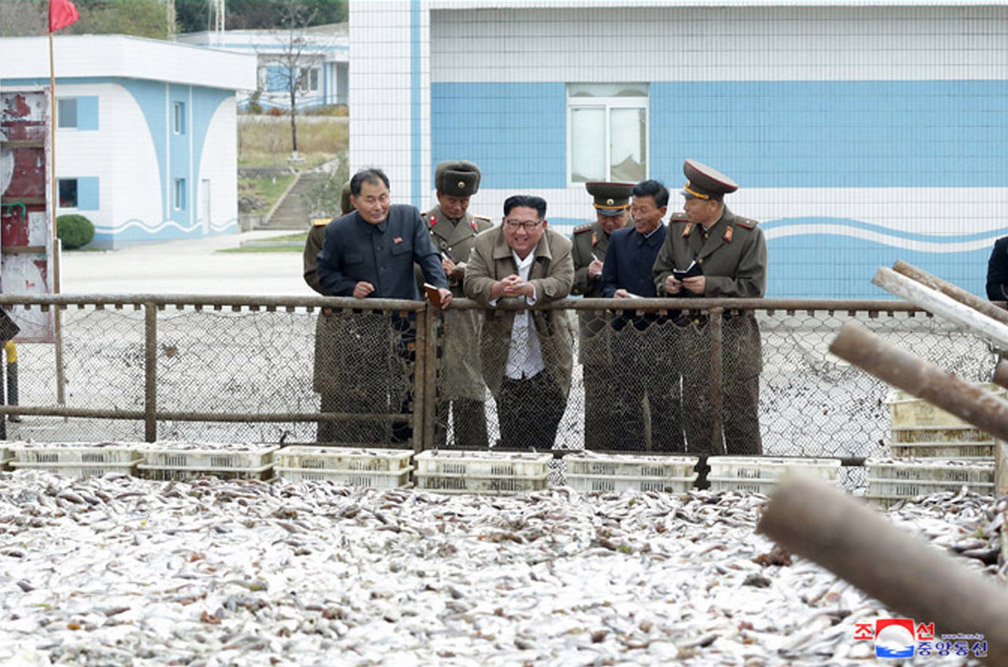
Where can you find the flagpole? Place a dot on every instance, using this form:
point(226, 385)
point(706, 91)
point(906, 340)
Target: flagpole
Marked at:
point(54, 194)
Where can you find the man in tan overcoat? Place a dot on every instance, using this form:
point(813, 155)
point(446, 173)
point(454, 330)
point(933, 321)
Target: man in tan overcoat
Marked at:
point(526, 355)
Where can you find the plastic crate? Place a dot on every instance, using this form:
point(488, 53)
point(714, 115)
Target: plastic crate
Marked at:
point(890, 481)
point(958, 435)
point(77, 453)
point(760, 474)
point(487, 465)
point(592, 483)
point(337, 458)
point(942, 450)
point(906, 410)
point(77, 469)
point(207, 457)
point(174, 474)
point(486, 485)
point(590, 464)
point(379, 479)
point(5, 457)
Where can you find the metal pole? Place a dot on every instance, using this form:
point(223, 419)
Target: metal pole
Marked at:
point(903, 572)
point(923, 379)
point(716, 331)
point(150, 372)
point(950, 290)
point(419, 379)
point(10, 350)
point(430, 378)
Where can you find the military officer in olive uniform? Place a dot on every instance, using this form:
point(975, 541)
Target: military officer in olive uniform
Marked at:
point(326, 331)
point(452, 230)
point(731, 253)
point(590, 242)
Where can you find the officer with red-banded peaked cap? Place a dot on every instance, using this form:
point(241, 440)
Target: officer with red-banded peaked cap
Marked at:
point(711, 252)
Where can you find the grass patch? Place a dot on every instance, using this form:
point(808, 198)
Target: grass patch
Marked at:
point(267, 142)
point(267, 190)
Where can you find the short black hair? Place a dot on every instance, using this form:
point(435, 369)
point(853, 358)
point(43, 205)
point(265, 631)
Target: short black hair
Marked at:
point(654, 189)
point(372, 175)
point(529, 201)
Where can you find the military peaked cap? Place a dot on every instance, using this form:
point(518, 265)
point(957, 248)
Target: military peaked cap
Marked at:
point(703, 182)
point(459, 178)
point(610, 198)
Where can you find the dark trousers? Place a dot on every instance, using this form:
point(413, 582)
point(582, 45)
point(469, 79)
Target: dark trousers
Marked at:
point(601, 429)
point(529, 411)
point(469, 429)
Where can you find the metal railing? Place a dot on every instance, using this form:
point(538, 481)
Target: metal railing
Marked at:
point(155, 367)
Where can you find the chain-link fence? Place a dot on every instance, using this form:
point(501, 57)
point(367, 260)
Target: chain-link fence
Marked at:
point(345, 371)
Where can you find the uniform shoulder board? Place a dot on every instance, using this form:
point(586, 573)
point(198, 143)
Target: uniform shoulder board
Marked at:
point(678, 216)
point(320, 222)
point(482, 218)
point(423, 214)
point(747, 223)
point(580, 229)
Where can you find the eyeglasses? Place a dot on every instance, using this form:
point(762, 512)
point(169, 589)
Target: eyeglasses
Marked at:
point(527, 225)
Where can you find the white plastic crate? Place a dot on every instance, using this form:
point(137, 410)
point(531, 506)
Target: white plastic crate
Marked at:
point(591, 464)
point(482, 464)
point(166, 473)
point(958, 435)
point(592, 483)
point(379, 479)
point(339, 458)
point(906, 410)
point(942, 450)
point(760, 474)
point(486, 485)
point(208, 456)
point(77, 469)
point(77, 452)
point(5, 457)
point(891, 481)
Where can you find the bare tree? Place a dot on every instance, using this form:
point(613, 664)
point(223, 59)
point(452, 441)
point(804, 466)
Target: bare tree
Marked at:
point(296, 61)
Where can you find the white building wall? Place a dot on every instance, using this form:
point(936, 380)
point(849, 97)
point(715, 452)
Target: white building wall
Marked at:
point(219, 164)
point(390, 94)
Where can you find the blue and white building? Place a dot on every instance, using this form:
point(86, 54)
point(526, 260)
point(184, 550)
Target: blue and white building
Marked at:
point(861, 132)
point(146, 132)
point(320, 53)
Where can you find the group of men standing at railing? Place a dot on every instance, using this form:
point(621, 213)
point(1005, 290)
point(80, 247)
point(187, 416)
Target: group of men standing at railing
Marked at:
point(525, 357)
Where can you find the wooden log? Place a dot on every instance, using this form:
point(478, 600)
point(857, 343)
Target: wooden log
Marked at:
point(901, 369)
point(902, 571)
point(952, 291)
point(939, 304)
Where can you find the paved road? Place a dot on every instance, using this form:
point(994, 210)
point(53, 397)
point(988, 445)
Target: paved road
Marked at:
point(185, 267)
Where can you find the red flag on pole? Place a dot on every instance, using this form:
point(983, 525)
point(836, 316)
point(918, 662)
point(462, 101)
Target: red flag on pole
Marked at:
point(61, 14)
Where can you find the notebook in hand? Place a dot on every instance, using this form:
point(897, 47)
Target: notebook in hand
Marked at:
point(433, 294)
point(693, 269)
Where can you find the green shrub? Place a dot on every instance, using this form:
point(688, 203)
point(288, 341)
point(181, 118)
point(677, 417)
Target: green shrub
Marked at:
point(74, 231)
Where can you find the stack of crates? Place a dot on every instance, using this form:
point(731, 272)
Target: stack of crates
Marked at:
point(760, 474)
point(186, 461)
point(891, 481)
point(481, 472)
point(6, 456)
point(77, 459)
point(921, 429)
point(380, 468)
point(588, 472)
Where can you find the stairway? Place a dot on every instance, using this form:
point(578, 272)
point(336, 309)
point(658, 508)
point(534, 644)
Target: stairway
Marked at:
point(292, 209)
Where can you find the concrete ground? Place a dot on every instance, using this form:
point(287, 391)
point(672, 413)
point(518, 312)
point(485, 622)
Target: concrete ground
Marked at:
point(192, 266)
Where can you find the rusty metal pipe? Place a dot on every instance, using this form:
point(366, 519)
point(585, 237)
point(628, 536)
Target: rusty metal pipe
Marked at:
point(921, 378)
point(903, 572)
point(950, 290)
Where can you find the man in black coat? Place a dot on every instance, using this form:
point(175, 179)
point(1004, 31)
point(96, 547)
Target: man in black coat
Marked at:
point(997, 271)
point(370, 253)
point(642, 344)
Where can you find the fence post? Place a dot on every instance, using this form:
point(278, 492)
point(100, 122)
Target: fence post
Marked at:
point(150, 371)
point(716, 380)
point(432, 313)
point(419, 379)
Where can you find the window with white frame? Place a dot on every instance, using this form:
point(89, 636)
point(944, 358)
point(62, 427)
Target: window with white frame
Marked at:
point(178, 117)
point(607, 132)
point(309, 79)
point(179, 194)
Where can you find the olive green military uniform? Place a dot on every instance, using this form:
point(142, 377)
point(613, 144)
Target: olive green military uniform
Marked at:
point(460, 382)
point(600, 423)
point(733, 256)
point(327, 333)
